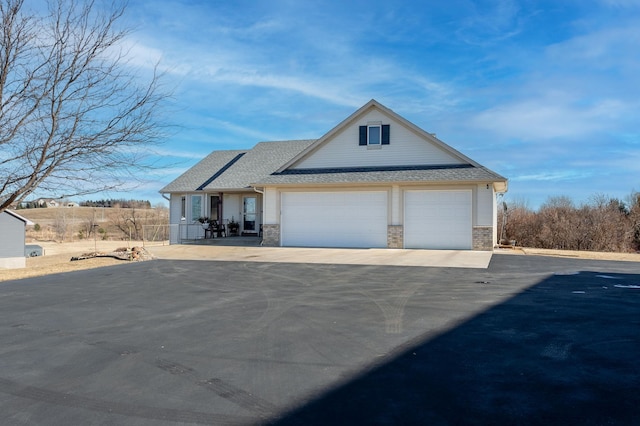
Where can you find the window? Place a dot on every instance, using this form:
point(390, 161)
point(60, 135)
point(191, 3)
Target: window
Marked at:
point(196, 207)
point(215, 203)
point(183, 207)
point(374, 135)
point(249, 212)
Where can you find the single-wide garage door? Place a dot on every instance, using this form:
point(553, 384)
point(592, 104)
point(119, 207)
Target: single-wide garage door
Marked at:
point(438, 219)
point(334, 219)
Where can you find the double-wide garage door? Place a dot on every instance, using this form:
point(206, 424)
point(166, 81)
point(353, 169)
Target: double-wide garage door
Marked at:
point(436, 219)
point(433, 219)
point(334, 219)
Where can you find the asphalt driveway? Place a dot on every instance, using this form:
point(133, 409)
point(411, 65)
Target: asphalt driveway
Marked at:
point(529, 340)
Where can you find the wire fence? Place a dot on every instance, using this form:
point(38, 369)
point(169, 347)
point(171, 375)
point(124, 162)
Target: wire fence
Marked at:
point(173, 233)
point(156, 233)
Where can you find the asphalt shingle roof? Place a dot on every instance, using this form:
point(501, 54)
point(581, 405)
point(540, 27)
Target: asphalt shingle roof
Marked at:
point(435, 175)
point(218, 171)
point(202, 171)
point(264, 159)
point(239, 169)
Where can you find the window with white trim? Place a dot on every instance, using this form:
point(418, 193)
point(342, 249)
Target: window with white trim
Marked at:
point(196, 207)
point(374, 134)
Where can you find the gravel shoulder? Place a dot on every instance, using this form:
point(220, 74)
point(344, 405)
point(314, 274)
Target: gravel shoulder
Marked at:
point(593, 255)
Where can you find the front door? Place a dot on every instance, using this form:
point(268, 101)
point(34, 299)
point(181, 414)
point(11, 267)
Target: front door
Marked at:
point(249, 215)
point(214, 211)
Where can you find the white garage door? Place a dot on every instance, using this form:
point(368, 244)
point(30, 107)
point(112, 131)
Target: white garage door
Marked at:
point(334, 219)
point(438, 219)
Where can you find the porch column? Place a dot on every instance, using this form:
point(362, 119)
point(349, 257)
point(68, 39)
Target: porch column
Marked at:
point(271, 215)
point(396, 217)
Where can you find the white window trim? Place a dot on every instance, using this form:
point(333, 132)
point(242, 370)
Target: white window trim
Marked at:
point(377, 124)
point(191, 207)
point(371, 126)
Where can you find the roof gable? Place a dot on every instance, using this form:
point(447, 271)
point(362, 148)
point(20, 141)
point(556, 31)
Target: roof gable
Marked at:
point(18, 217)
point(412, 155)
point(409, 145)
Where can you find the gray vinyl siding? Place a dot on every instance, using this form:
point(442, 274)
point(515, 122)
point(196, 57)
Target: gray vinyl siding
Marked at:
point(175, 208)
point(12, 237)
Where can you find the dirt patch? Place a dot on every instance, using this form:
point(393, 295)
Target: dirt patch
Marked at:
point(55, 264)
point(57, 258)
point(594, 255)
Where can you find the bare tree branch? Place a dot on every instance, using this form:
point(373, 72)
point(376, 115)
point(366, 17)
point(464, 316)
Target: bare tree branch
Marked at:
point(69, 103)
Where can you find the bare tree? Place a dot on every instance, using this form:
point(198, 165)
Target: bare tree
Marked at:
point(74, 117)
point(603, 224)
point(520, 224)
point(61, 224)
point(88, 226)
point(131, 222)
point(633, 230)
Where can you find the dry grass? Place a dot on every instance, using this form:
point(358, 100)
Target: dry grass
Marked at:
point(595, 255)
point(75, 219)
point(55, 264)
point(57, 257)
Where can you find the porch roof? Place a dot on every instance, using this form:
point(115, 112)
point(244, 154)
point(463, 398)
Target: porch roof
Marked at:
point(193, 178)
point(235, 170)
point(258, 163)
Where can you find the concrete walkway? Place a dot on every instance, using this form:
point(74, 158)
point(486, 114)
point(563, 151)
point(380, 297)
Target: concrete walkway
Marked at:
point(388, 257)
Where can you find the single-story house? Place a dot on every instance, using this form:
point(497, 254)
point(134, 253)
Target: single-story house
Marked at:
point(48, 202)
point(12, 235)
point(374, 180)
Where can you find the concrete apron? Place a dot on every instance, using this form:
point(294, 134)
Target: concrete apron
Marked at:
point(389, 257)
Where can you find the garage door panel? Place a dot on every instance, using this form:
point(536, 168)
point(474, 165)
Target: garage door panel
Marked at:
point(334, 219)
point(438, 219)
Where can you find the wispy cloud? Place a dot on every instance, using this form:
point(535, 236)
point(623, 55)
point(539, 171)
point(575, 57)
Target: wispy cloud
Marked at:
point(497, 21)
point(242, 130)
point(541, 91)
point(549, 118)
point(565, 175)
point(175, 153)
point(307, 87)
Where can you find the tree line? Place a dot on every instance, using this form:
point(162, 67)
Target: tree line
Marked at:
point(601, 224)
point(110, 203)
point(31, 205)
point(121, 203)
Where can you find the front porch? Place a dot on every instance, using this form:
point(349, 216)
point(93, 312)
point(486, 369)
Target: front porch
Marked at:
point(232, 241)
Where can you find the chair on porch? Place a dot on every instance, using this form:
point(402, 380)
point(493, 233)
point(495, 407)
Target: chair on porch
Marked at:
point(215, 229)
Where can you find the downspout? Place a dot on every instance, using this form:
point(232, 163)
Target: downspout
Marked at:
point(165, 197)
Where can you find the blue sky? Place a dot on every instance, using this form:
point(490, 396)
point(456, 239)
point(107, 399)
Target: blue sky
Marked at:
point(546, 93)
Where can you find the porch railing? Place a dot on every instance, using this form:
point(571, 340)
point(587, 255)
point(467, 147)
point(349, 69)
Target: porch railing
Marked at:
point(178, 233)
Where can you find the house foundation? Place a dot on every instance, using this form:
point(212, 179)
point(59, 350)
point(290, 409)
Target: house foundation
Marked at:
point(483, 238)
point(271, 235)
point(395, 236)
